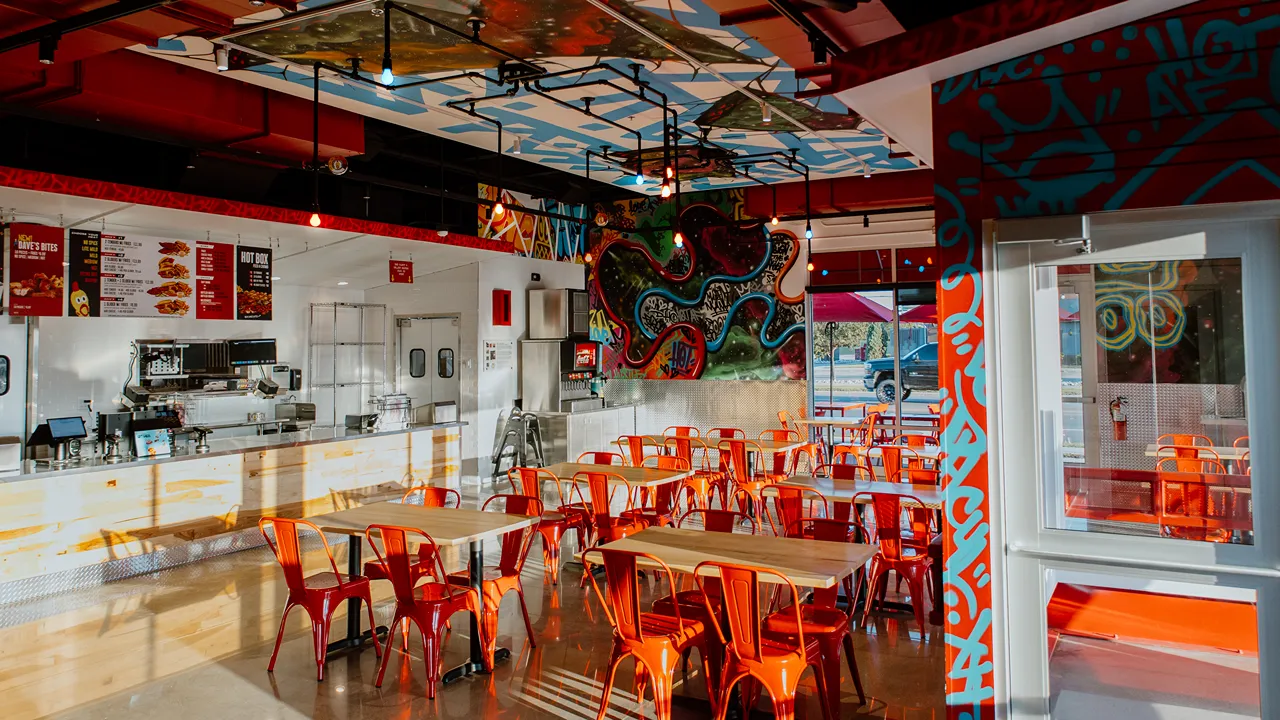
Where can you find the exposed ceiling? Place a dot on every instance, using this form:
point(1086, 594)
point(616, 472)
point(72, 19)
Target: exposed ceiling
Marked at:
point(710, 73)
point(303, 256)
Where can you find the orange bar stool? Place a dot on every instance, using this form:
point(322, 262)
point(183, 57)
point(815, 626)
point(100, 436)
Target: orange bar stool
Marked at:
point(822, 619)
point(319, 594)
point(429, 605)
point(505, 577)
point(656, 641)
point(774, 661)
point(554, 523)
point(894, 554)
point(432, 497)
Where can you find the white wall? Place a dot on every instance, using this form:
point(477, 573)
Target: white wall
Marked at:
point(468, 292)
point(88, 359)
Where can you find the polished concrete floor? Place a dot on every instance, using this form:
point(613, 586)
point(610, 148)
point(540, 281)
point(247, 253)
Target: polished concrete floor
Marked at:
point(192, 643)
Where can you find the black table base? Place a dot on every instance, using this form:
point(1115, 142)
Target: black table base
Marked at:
point(475, 666)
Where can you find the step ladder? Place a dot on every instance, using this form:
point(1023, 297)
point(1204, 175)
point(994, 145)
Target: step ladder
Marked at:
point(517, 442)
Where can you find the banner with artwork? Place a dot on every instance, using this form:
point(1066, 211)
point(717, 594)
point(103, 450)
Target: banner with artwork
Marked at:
point(253, 283)
point(35, 270)
point(556, 233)
point(713, 307)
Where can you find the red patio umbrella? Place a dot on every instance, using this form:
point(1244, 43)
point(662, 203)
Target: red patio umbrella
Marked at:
point(1067, 316)
point(848, 307)
point(921, 314)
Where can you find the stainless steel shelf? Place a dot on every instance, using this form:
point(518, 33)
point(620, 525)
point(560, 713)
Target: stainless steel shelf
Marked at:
point(360, 344)
point(330, 386)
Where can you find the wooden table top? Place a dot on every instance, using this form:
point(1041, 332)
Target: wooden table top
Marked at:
point(842, 407)
point(844, 490)
point(447, 526)
point(776, 446)
point(1224, 453)
point(807, 563)
point(833, 421)
point(635, 476)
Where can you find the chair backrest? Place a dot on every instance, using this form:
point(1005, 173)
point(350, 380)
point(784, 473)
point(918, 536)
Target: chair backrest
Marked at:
point(888, 514)
point(602, 457)
point(624, 592)
point(734, 451)
point(721, 433)
point(633, 449)
point(780, 435)
point(826, 530)
point(1203, 464)
point(787, 420)
point(684, 446)
point(395, 557)
point(813, 453)
point(894, 457)
point(665, 495)
point(515, 544)
point(722, 521)
point(531, 481)
point(1184, 439)
point(787, 504)
point(740, 592)
point(914, 440)
point(851, 471)
point(682, 431)
point(287, 547)
point(434, 497)
point(600, 493)
point(1241, 442)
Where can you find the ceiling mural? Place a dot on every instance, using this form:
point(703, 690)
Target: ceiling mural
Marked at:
point(677, 48)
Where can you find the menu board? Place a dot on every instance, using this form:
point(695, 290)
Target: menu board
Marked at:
point(144, 277)
point(215, 281)
point(402, 271)
point(85, 283)
point(253, 283)
point(35, 270)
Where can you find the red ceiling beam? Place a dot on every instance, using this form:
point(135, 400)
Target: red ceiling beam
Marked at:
point(942, 39)
point(909, 188)
point(757, 13)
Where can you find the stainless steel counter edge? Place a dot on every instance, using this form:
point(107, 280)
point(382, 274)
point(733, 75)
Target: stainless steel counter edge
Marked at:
point(549, 413)
point(219, 447)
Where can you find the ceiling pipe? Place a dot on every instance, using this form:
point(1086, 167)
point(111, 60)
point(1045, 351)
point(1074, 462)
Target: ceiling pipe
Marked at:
point(80, 21)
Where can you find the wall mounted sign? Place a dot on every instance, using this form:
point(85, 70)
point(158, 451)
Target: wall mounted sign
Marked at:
point(499, 355)
point(84, 297)
point(216, 281)
point(402, 271)
point(143, 276)
point(253, 283)
point(35, 270)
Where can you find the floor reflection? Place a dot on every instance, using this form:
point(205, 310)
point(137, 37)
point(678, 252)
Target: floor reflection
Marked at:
point(193, 643)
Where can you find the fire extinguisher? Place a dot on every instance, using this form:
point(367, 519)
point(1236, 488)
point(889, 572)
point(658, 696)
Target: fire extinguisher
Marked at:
point(1120, 417)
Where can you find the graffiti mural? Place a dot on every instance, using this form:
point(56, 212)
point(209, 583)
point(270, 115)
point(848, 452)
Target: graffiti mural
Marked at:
point(1177, 109)
point(542, 236)
point(713, 308)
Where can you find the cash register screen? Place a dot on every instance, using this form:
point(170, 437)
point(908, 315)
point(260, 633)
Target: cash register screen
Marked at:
point(67, 428)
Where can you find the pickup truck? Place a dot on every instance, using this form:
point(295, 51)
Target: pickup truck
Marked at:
point(919, 372)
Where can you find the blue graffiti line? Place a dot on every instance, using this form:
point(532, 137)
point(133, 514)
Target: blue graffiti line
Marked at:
point(1230, 170)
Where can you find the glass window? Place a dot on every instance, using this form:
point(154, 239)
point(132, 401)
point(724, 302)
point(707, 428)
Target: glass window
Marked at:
point(4, 374)
point(1154, 436)
point(444, 363)
point(417, 363)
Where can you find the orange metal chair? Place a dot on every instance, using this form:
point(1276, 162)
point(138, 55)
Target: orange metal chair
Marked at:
point(432, 497)
point(893, 554)
point(656, 641)
point(696, 488)
point(665, 496)
point(774, 661)
point(554, 523)
point(782, 462)
point(915, 440)
point(725, 433)
point(1203, 460)
point(821, 619)
point(687, 431)
point(903, 464)
point(1187, 439)
point(633, 449)
point(790, 504)
point(601, 457)
point(319, 594)
point(694, 602)
point(497, 581)
point(733, 453)
point(605, 526)
point(813, 453)
point(429, 605)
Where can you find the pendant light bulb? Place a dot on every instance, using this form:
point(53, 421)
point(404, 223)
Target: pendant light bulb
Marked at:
point(387, 76)
point(587, 258)
point(498, 209)
point(774, 221)
point(639, 178)
point(671, 172)
point(809, 267)
point(678, 239)
point(315, 220)
point(666, 190)
point(808, 231)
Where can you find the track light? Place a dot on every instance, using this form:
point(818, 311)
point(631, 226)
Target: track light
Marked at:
point(222, 58)
point(766, 113)
point(498, 209)
point(866, 172)
point(315, 219)
point(774, 221)
point(820, 56)
point(808, 230)
point(866, 221)
point(515, 146)
point(666, 190)
point(257, 3)
point(48, 45)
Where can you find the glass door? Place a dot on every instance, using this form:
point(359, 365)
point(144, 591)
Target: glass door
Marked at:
point(1142, 553)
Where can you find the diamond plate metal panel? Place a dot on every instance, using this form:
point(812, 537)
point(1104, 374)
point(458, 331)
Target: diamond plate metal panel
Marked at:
point(751, 405)
point(1154, 410)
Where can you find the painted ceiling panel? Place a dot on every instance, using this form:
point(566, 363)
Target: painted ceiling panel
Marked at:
point(566, 35)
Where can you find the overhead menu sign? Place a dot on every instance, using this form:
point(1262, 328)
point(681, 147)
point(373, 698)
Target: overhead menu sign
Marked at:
point(35, 269)
point(84, 274)
point(253, 283)
point(215, 281)
point(144, 277)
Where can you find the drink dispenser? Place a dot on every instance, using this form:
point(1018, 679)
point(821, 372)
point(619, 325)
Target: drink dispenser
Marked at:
point(560, 375)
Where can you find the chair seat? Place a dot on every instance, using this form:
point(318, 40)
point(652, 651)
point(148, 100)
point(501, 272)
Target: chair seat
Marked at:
point(463, 577)
point(815, 621)
point(330, 581)
point(552, 516)
point(690, 602)
point(681, 632)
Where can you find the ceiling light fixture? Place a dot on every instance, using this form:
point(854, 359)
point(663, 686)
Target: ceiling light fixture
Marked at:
point(774, 221)
point(819, 45)
point(515, 146)
point(388, 77)
point(808, 230)
point(766, 113)
point(678, 239)
point(671, 172)
point(257, 3)
point(275, 278)
point(222, 58)
point(866, 172)
point(48, 45)
point(639, 178)
point(498, 209)
point(666, 190)
point(866, 221)
point(315, 219)
point(774, 188)
point(342, 282)
point(809, 267)
point(587, 258)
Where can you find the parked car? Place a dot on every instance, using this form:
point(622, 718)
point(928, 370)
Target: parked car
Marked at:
point(919, 372)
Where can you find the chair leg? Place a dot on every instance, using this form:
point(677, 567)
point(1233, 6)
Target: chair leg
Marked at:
point(524, 610)
point(431, 656)
point(828, 673)
point(726, 692)
point(386, 657)
point(853, 668)
point(373, 624)
point(320, 636)
point(915, 585)
point(271, 666)
point(609, 677)
point(873, 582)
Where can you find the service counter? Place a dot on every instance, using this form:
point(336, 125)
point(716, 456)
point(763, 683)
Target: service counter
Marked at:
point(63, 528)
